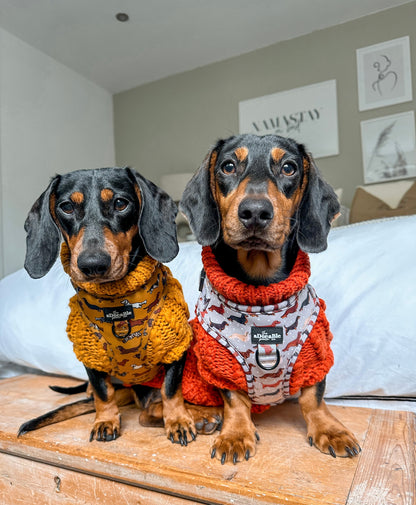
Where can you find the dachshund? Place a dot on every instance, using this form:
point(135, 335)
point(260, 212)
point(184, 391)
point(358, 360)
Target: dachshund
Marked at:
point(113, 222)
point(258, 205)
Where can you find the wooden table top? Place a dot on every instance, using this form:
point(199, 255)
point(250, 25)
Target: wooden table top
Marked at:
point(285, 469)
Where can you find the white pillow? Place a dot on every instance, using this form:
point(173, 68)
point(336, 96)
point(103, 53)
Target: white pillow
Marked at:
point(33, 316)
point(367, 277)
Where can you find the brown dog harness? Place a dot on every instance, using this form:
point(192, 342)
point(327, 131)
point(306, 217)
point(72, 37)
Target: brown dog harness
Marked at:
point(129, 328)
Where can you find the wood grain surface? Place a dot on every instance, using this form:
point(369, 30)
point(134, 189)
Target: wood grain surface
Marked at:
point(57, 464)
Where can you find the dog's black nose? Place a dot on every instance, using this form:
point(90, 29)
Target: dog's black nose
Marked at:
point(94, 265)
point(255, 212)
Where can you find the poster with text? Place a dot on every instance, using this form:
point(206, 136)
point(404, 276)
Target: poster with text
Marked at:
point(307, 114)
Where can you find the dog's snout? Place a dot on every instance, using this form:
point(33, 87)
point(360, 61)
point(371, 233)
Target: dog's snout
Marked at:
point(94, 265)
point(255, 212)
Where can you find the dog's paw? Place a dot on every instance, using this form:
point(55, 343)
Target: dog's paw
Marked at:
point(235, 447)
point(105, 431)
point(336, 441)
point(207, 419)
point(181, 428)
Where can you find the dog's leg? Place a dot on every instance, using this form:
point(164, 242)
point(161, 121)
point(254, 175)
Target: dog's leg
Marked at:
point(238, 437)
point(179, 423)
point(107, 418)
point(324, 430)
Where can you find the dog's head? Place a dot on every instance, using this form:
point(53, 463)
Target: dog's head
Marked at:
point(109, 218)
point(253, 192)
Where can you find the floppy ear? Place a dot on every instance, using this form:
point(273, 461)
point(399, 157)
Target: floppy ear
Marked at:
point(157, 225)
point(318, 209)
point(198, 204)
point(43, 236)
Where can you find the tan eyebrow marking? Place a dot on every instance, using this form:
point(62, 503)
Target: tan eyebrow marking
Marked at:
point(107, 195)
point(241, 153)
point(277, 154)
point(77, 197)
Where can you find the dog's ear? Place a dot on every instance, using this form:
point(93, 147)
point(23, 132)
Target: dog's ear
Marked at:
point(198, 204)
point(157, 225)
point(318, 209)
point(43, 236)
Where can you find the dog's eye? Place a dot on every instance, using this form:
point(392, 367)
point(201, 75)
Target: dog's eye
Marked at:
point(120, 204)
point(289, 169)
point(67, 207)
point(228, 168)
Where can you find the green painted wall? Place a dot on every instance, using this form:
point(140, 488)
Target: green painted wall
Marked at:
point(168, 126)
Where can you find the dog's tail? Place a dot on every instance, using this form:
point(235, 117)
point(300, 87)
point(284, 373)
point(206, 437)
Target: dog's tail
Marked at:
point(71, 390)
point(75, 409)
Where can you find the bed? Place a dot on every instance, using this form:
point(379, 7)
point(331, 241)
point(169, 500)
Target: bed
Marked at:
point(367, 277)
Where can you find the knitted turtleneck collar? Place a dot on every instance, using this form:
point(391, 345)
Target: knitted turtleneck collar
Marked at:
point(246, 294)
point(131, 282)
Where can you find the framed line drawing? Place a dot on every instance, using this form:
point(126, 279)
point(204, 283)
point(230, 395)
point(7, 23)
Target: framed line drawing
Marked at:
point(307, 114)
point(389, 147)
point(384, 74)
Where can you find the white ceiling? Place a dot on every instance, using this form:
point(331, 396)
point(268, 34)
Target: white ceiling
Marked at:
point(165, 37)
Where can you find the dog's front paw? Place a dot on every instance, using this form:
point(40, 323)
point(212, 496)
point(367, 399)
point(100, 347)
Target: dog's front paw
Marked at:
point(335, 440)
point(207, 419)
point(234, 447)
point(105, 431)
point(180, 429)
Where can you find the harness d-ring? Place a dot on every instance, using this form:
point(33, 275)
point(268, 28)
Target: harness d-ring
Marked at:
point(267, 356)
point(113, 329)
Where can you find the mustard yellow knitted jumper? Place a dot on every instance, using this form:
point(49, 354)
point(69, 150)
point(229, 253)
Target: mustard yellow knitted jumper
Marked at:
point(131, 327)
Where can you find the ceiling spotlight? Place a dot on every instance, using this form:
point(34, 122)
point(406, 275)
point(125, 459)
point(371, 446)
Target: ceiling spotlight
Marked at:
point(122, 17)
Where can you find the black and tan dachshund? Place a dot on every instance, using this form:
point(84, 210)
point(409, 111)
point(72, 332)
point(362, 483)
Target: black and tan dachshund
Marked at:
point(110, 220)
point(257, 202)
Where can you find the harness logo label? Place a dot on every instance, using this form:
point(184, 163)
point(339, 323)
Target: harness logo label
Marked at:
point(262, 335)
point(112, 314)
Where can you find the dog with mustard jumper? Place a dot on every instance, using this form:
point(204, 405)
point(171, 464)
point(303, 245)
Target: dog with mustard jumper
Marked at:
point(128, 318)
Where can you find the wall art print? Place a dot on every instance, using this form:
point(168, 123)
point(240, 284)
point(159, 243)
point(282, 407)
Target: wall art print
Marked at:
point(384, 74)
point(389, 147)
point(307, 114)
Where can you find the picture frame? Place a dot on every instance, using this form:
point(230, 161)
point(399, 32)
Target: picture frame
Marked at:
point(307, 114)
point(384, 74)
point(389, 148)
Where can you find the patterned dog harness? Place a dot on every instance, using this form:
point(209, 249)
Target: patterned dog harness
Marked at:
point(131, 327)
point(266, 341)
point(269, 341)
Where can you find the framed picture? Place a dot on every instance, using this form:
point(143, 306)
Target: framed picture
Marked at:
point(307, 114)
point(384, 74)
point(389, 147)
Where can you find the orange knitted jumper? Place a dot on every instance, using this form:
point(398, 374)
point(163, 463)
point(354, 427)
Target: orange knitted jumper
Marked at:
point(211, 366)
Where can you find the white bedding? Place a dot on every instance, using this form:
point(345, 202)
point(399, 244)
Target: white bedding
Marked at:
point(367, 277)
